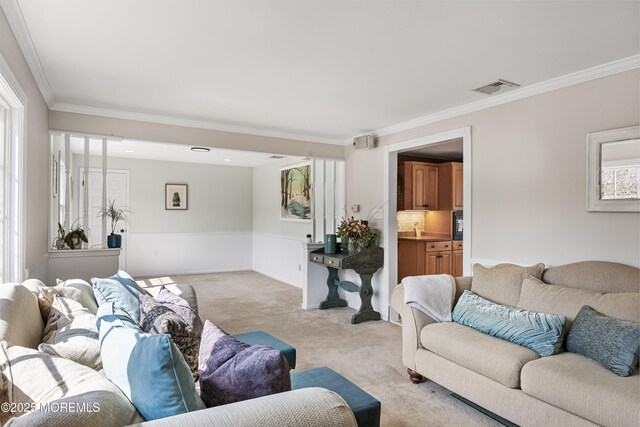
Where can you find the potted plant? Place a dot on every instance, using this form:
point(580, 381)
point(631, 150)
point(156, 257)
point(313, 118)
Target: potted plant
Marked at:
point(75, 236)
point(58, 242)
point(115, 214)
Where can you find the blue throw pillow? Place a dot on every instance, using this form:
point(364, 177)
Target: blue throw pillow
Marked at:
point(149, 369)
point(122, 291)
point(542, 333)
point(612, 343)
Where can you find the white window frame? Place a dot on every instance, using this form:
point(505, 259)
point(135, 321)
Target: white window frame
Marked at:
point(14, 100)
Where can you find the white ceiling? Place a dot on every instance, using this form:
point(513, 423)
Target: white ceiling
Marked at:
point(325, 69)
point(146, 150)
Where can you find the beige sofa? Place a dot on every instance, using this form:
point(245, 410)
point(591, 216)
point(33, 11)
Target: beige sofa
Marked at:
point(65, 386)
point(511, 381)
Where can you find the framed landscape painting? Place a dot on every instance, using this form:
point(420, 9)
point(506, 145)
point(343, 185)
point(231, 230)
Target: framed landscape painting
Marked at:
point(295, 192)
point(175, 197)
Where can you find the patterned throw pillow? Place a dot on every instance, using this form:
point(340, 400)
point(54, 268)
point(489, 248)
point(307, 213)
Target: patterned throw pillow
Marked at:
point(156, 318)
point(46, 295)
point(181, 307)
point(540, 332)
point(71, 333)
point(613, 343)
point(232, 371)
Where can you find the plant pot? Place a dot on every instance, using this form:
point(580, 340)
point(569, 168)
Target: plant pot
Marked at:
point(114, 241)
point(77, 243)
point(353, 246)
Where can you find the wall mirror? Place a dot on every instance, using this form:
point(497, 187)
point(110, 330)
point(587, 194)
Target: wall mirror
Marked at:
point(613, 170)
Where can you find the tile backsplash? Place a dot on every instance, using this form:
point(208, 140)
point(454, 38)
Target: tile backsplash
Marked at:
point(407, 220)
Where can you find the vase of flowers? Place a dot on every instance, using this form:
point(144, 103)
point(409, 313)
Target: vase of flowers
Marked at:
point(360, 236)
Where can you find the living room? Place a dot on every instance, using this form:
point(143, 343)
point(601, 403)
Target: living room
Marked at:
point(302, 81)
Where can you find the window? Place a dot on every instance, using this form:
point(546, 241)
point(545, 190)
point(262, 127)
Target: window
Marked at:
point(12, 111)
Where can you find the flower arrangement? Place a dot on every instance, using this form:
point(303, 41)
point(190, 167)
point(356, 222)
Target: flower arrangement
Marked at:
point(358, 232)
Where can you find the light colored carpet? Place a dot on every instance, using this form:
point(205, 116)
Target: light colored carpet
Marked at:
point(368, 354)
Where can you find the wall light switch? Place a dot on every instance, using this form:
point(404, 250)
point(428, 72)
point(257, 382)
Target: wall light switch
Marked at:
point(355, 208)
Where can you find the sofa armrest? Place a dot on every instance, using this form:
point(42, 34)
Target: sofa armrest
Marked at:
point(310, 407)
point(414, 320)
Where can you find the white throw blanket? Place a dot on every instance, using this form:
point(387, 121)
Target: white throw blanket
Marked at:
point(432, 294)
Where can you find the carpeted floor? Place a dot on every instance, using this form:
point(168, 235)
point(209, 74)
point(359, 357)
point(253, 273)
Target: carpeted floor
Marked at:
point(368, 354)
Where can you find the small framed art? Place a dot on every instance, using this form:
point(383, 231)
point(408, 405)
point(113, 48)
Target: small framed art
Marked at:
point(176, 197)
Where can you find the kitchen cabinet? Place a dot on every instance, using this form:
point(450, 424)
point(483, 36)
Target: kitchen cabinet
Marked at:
point(410, 258)
point(450, 184)
point(439, 258)
point(457, 259)
point(418, 186)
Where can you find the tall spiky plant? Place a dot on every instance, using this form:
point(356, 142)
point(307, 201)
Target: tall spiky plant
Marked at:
point(115, 214)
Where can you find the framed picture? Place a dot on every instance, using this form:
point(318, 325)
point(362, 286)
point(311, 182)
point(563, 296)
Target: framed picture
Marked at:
point(175, 197)
point(295, 192)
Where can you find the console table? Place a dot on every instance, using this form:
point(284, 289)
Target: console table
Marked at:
point(365, 263)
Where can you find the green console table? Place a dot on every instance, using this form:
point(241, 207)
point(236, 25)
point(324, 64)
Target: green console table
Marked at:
point(365, 263)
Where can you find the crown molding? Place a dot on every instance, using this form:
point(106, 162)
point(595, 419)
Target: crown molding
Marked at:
point(15, 18)
point(578, 77)
point(200, 124)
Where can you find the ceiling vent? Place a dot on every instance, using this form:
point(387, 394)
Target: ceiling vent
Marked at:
point(497, 87)
point(276, 156)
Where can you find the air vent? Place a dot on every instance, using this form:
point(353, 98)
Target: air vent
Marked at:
point(497, 87)
point(276, 156)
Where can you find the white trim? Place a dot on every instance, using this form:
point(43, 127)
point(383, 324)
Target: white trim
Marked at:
point(14, 170)
point(389, 273)
point(15, 18)
point(578, 77)
point(199, 124)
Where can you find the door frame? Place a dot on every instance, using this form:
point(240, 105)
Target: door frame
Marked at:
point(127, 174)
point(390, 227)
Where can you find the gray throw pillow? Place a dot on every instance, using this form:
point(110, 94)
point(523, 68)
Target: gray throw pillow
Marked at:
point(613, 343)
point(232, 371)
point(156, 318)
point(181, 307)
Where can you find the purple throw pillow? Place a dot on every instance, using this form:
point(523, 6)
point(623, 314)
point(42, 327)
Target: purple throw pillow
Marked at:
point(232, 371)
point(181, 307)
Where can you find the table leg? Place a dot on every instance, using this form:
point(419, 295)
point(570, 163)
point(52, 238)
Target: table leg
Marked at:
point(333, 298)
point(366, 311)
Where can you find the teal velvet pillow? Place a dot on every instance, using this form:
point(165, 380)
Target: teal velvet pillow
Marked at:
point(122, 291)
point(540, 332)
point(612, 343)
point(149, 369)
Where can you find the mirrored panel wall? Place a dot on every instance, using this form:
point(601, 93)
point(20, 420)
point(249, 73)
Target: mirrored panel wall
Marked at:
point(79, 175)
point(329, 197)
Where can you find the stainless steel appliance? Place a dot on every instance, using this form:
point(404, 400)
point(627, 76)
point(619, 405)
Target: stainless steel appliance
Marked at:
point(458, 225)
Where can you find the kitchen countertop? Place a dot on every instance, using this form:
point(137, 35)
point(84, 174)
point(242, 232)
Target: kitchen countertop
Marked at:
point(426, 238)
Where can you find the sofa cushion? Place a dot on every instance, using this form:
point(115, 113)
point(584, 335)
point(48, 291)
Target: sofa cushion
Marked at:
point(181, 307)
point(32, 377)
point(492, 357)
point(87, 297)
point(613, 343)
point(539, 296)
point(541, 332)
point(501, 284)
point(122, 291)
point(581, 386)
point(149, 369)
point(71, 333)
point(156, 318)
point(20, 319)
point(232, 371)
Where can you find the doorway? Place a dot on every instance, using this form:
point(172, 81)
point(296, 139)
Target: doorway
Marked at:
point(392, 151)
point(118, 190)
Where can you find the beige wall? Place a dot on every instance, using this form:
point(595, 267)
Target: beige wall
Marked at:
point(529, 175)
point(36, 152)
point(190, 136)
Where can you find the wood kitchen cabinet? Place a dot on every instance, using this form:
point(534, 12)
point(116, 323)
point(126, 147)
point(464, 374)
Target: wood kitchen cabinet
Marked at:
point(439, 258)
point(450, 184)
point(418, 186)
point(410, 258)
point(457, 259)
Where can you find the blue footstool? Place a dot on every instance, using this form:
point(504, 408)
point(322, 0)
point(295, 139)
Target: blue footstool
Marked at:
point(365, 407)
point(260, 337)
